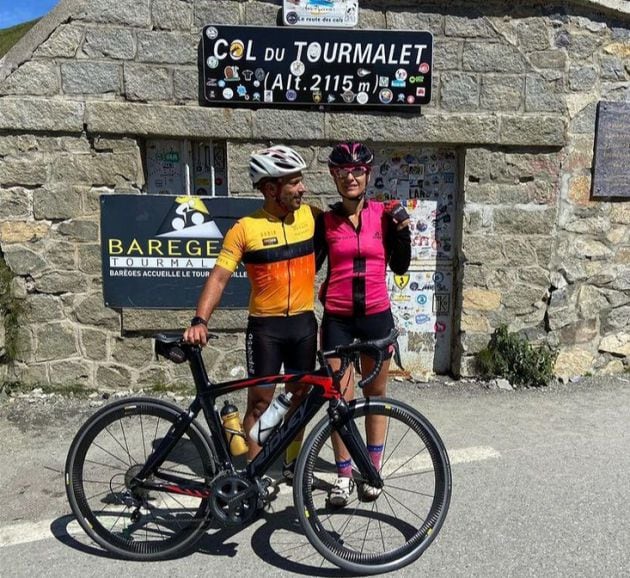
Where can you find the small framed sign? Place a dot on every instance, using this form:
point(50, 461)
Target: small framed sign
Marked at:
point(335, 13)
point(253, 65)
point(612, 150)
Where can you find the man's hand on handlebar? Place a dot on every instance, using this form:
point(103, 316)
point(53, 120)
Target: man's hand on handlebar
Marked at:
point(196, 335)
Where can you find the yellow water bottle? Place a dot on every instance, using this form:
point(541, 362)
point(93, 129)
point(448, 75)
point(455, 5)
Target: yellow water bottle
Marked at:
point(233, 429)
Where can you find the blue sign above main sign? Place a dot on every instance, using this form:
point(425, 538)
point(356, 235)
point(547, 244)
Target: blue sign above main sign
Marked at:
point(252, 65)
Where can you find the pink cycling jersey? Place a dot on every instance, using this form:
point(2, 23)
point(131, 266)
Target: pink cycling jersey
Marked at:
point(357, 261)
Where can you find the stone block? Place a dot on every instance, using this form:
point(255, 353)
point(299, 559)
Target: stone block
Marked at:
point(533, 130)
point(617, 344)
point(147, 83)
point(545, 93)
point(620, 213)
point(126, 12)
point(55, 341)
point(501, 92)
point(91, 77)
point(39, 114)
point(533, 34)
point(474, 342)
point(522, 299)
point(475, 299)
point(217, 12)
point(132, 352)
point(184, 121)
point(548, 59)
point(98, 169)
point(492, 57)
point(34, 78)
point(60, 255)
point(32, 374)
point(591, 302)
point(22, 260)
point(447, 54)
point(79, 230)
point(13, 232)
point(91, 310)
point(582, 331)
point(263, 13)
point(518, 251)
point(70, 373)
point(459, 91)
point(592, 249)
point(153, 376)
point(89, 259)
point(617, 318)
point(583, 78)
point(40, 308)
point(15, 203)
point(31, 169)
point(573, 362)
point(282, 124)
point(186, 84)
point(57, 282)
point(169, 15)
point(163, 47)
point(468, 26)
point(58, 201)
point(435, 128)
point(582, 46)
point(62, 43)
point(515, 221)
point(475, 323)
point(432, 22)
point(113, 376)
point(111, 43)
point(483, 249)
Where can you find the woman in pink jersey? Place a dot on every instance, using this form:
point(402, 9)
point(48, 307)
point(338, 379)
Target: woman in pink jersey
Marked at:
point(361, 238)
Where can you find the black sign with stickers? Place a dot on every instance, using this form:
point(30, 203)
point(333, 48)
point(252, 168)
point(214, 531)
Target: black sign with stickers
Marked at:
point(252, 65)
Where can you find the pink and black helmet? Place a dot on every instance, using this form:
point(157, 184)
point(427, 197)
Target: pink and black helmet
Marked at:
point(350, 153)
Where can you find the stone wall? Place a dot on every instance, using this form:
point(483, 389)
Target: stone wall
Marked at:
point(515, 90)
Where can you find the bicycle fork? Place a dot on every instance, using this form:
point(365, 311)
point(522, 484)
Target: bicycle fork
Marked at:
point(345, 426)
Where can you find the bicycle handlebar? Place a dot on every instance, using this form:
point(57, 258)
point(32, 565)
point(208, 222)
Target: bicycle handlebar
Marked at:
point(169, 345)
point(375, 348)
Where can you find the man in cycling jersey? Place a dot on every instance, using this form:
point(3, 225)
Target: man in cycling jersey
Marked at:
point(275, 244)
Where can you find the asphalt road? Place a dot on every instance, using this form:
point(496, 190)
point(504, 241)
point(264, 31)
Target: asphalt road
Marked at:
point(540, 488)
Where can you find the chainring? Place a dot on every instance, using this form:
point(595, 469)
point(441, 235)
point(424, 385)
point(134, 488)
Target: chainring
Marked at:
point(233, 500)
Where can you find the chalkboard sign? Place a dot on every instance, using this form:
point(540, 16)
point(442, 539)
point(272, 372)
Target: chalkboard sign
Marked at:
point(254, 65)
point(611, 176)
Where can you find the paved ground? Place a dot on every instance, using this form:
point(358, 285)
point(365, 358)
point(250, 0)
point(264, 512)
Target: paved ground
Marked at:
point(540, 488)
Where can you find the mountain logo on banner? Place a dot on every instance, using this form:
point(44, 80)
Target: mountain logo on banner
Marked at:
point(189, 217)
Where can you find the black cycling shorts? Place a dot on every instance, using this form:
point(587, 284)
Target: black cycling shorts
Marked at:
point(337, 330)
point(273, 342)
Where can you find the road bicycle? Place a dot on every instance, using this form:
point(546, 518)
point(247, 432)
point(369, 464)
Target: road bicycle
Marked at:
point(145, 480)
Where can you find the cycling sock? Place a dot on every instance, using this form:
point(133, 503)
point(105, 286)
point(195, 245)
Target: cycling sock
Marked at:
point(292, 451)
point(344, 469)
point(376, 455)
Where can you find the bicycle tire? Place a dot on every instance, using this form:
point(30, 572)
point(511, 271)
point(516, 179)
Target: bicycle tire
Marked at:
point(395, 529)
point(107, 449)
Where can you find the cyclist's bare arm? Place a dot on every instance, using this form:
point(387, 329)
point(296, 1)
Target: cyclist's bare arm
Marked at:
point(208, 300)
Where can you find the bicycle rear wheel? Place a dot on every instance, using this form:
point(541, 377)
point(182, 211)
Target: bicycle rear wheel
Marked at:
point(105, 455)
point(385, 534)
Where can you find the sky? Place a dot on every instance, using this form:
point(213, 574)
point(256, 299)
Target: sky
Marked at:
point(14, 12)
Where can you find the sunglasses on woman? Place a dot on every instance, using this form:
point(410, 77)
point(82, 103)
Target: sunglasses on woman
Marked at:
point(356, 172)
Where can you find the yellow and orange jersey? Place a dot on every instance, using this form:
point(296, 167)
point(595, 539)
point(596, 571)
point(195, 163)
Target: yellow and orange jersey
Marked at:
point(279, 258)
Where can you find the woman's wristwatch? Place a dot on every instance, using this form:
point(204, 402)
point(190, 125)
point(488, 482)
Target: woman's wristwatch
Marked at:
point(196, 320)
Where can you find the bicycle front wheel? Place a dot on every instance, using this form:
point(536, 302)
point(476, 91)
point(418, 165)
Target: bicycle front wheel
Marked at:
point(106, 454)
point(367, 535)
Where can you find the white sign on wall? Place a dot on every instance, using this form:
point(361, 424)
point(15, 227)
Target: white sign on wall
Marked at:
point(338, 13)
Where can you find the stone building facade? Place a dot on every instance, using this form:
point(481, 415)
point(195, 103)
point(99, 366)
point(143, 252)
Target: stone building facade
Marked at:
point(515, 91)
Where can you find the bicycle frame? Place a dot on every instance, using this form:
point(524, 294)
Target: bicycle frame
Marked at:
point(324, 388)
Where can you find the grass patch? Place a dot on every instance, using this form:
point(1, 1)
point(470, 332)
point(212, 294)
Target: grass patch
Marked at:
point(177, 388)
point(511, 356)
point(67, 390)
point(10, 36)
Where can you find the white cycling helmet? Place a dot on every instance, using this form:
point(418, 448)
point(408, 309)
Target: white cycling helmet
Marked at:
point(274, 162)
